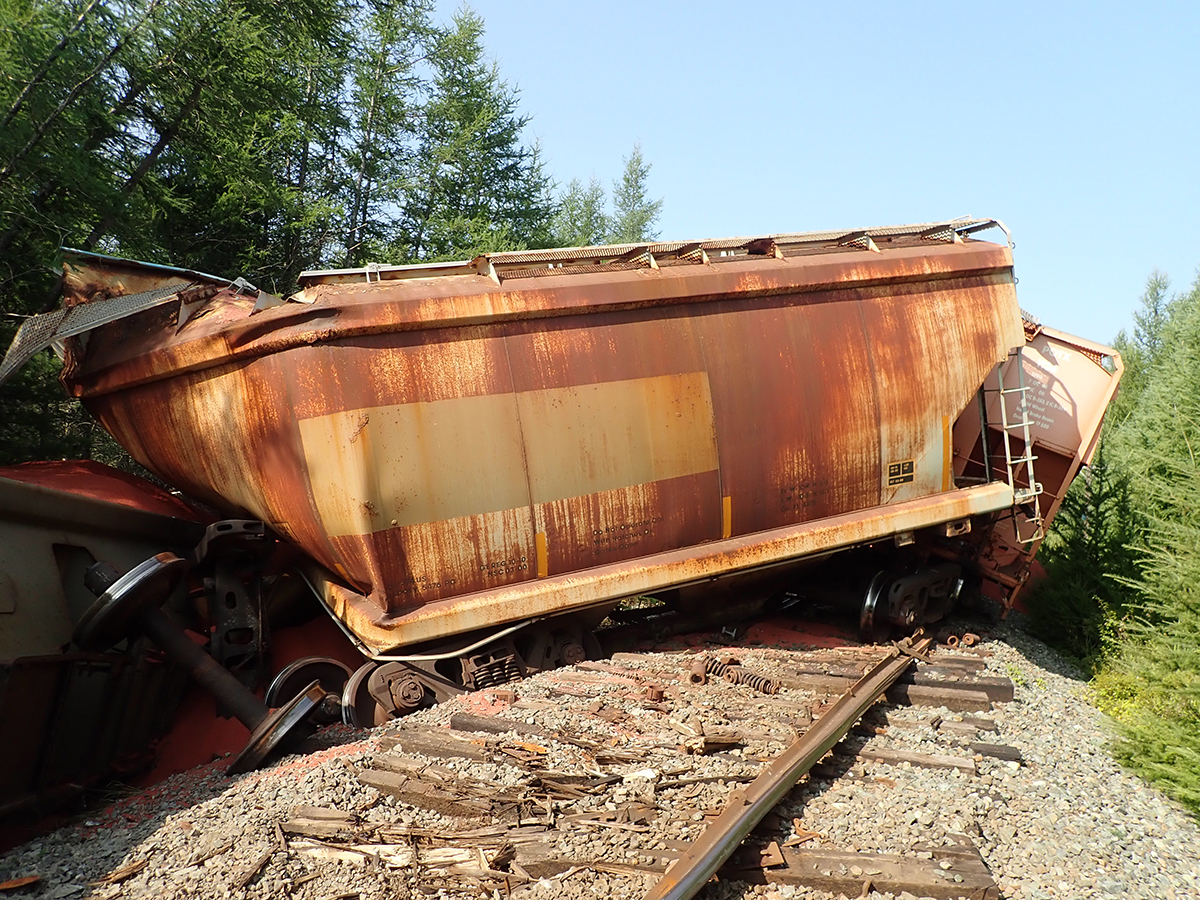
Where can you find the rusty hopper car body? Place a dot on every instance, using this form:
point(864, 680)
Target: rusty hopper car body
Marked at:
point(479, 460)
point(463, 446)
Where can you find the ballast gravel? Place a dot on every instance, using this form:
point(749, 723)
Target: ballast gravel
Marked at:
point(1066, 821)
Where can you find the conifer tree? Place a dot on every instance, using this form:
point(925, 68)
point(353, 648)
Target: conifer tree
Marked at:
point(581, 220)
point(1089, 559)
point(1151, 680)
point(1141, 351)
point(635, 215)
point(243, 137)
point(476, 186)
point(385, 121)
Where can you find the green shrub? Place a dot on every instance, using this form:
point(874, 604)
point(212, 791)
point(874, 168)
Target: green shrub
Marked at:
point(1150, 680)
point(1088, 561)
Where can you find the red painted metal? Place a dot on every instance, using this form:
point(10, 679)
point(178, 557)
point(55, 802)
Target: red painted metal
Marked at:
point(86, 478)
point(1071, 382)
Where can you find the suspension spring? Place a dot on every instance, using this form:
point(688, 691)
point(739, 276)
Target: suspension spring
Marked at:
point(718, 666)
point(738, 675)
point(497, 672)
point(703, 667)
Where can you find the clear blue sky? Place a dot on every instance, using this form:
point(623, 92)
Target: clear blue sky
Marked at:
point(1076, 124)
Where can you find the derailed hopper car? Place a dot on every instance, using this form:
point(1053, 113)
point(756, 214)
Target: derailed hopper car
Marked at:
point(511, 445)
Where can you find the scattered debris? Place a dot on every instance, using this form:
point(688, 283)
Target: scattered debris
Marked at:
point(123, 873)
point(621, 785)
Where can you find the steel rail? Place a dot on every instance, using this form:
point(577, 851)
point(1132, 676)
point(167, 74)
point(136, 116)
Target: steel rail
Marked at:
point(748, 807)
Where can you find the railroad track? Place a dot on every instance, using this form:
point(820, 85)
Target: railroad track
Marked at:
point(602, 778)
point(658, 770)
point(621, 747)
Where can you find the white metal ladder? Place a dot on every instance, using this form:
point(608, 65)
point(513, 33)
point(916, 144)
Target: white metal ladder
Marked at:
point(1017, 420)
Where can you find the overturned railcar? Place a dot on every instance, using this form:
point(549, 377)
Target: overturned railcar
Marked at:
point(472, 451)
point(466, 445)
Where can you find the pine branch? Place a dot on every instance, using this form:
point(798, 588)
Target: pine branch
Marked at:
point(131, 183)
point(44, 126)
point(36, 78)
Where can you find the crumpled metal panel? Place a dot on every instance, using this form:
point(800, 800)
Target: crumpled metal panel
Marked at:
point(435, 437)
point(1070, 383)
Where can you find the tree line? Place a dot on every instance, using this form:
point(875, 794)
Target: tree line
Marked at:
point(1122, 592)
point(260, 138)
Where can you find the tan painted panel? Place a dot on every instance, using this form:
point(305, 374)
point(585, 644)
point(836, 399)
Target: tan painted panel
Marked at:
point(591, 438)
point(373, 469)
point(412, 463)
point(1068, 391)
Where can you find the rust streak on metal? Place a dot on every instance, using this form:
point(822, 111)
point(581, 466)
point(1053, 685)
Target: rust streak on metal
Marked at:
point(345, 311)
point(575, 590)
point(454, 444)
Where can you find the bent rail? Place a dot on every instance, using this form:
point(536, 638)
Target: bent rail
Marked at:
point(747, 808)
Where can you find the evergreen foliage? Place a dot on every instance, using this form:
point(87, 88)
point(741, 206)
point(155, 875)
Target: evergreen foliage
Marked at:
point(384, 113)
point(1088, 560)
point(1151, 684)
point(243, 137)
point(475, 187)
point(1141, 351)
point(634, 213)
point(581, 220)
point(256, 138)
point(1124, 559)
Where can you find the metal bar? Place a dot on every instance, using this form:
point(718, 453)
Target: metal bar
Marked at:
point(660, 248)
point(747, 808)
point(984, 436)
point(70, 254)
point(205, 670)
